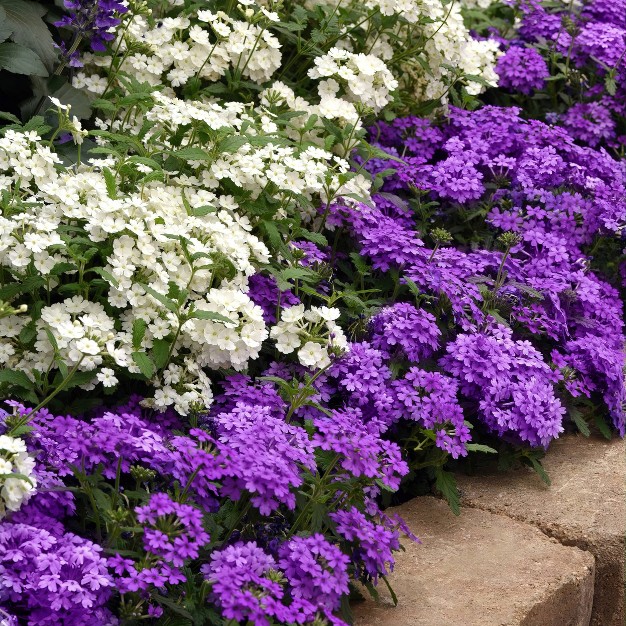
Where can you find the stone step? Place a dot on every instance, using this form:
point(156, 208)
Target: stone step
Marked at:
point(585, 507)
point(481, 569)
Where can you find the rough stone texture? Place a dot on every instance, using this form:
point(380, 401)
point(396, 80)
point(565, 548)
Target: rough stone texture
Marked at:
point(481, 569)
point(584, 507)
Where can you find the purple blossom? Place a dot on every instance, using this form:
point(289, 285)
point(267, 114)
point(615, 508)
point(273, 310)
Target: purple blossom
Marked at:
point(263, 290)
point(589, 122)
point(430, 399)
point(361, 449)
point(241, 584)
point(317, 571)
point(53, 579)
point(93, 21)
point(511, 382)
point(522, 69)
point(403, 328)
point(372, 544)
point(273, 471)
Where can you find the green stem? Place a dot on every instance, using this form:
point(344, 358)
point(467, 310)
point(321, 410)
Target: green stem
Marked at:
point(24, 420)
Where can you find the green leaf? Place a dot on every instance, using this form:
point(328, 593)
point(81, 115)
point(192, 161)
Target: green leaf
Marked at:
point(538, 467)
point(166, 302)
point(111, 184)
point(20, 60)
point(61, 268)
point(80, 378)
point(106, 275)
point(170, 604)
point(210, 315)
point(5, 28)
point(579, 420)
point(28, 333)
point(17, 378)
point(27, 285)
point(144, 363)
point(392, 593)
point(9, 117)
point(602, 426)
point(160, 352)
point(29, 30)
point(232, 143)
point(479, 447)
point(16, 475)
point(139, 330)
point(445, 483)
point(192, 154)
point(201, 211)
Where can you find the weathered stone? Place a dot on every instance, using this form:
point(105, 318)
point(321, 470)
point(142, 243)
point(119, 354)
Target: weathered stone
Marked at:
point(481, 569)
point(584, 507)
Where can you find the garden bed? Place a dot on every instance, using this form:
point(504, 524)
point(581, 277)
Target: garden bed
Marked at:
point(270, 269)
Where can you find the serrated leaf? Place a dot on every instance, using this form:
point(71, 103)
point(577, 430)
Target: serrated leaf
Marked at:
point(61, 268)
point(17, 378)
point(479, 447)
point(24, 429)
point(110, 182)
point(541, 472)
point(9, 117)
point(602, 426)
point(579, 420)
point(106, 275)
point(20, 60)
point(232, 143)
point(201, 211)
point(164, 300)
point(445, 483)
point(210, 315)
point(144, 363)
point(139, 331)
point(192, 154)
point(160, 352)
point(80, 378)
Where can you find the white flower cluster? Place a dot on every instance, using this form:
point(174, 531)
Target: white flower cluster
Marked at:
point(305, 173)
point(330, 107)
point(17, 479)
point(313, 333)
point(450, 45)
point(174, 51)
point(206, 45)
point(150, 246)
point(364, 77)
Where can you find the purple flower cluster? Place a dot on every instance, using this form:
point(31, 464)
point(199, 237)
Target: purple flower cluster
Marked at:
point(172, 535)
point(93, 21)
point(274, 470)
point(252, 586)
point(556, 197)
point(522, 69)
point(510, 380)
point(591, 38)
point(373, 544)
point(430, 399)
point(403, 328)
point(53, 578)
point(361, 450)
point(317, 571)
point(264, 291)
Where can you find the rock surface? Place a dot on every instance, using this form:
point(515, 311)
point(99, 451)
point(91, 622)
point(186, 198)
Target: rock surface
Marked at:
point(584, 507)
point(481, 569)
